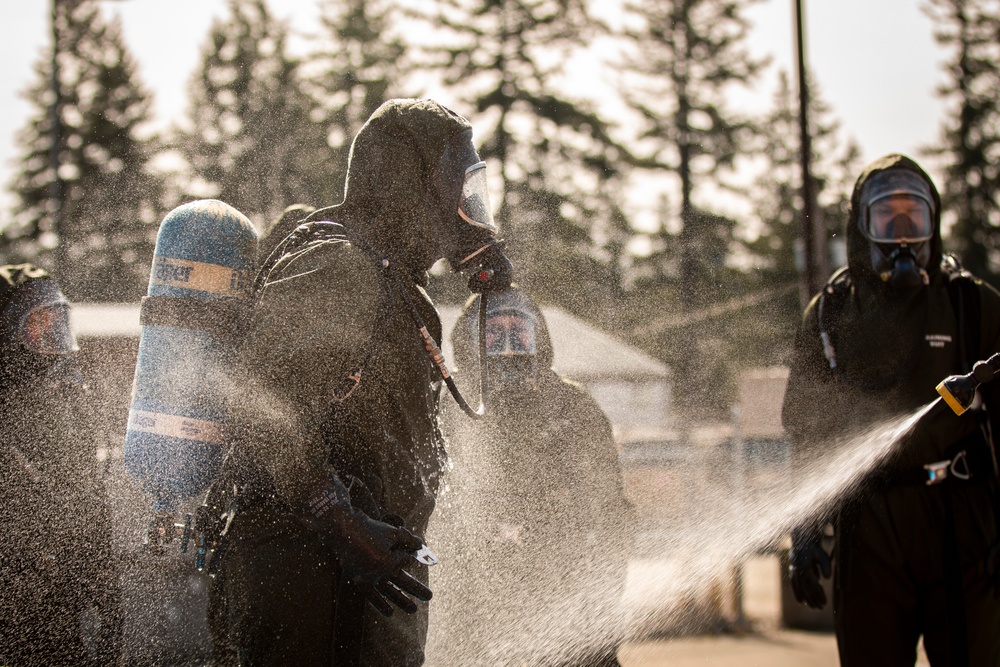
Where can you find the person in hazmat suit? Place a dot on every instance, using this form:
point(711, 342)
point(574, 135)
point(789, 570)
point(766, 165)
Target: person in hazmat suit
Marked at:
point(534, 519)
point(916, 541)
point(56, 568)
point(334, 471)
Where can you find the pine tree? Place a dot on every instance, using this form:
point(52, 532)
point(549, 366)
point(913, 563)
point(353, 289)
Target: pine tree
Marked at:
point(358, 66)
point(764, 332)
point(971, 134)
point(685, 56)
point(557, 164)
point(252, 140)
point(109, 197)
point(685, 59)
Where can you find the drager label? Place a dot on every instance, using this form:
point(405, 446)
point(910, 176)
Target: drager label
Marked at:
point(158, 423)
point(199, 276)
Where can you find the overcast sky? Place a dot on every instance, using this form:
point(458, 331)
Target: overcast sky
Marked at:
point(876, 61)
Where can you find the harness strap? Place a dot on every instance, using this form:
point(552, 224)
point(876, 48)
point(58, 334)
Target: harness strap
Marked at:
point(223, 317)
point(836, 289)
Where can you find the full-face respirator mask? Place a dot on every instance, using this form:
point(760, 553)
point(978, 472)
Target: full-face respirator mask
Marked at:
point(511, 350)
point(36, 340)
point(509, 340)
point(468, 235)
point(898, 220)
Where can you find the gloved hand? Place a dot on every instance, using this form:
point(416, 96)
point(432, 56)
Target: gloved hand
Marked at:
point(807, 561)
point(372, 553)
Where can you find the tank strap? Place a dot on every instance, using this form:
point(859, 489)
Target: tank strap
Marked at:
point(224, 317)
point(964, 295)
point(346, 386)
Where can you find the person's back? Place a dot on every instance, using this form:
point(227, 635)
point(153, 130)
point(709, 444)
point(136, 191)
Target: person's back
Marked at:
point(339, 450)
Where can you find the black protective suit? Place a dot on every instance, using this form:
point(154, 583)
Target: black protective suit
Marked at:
point(55, 529)
point(534, 528)
point(911, 558)
point(335, 304)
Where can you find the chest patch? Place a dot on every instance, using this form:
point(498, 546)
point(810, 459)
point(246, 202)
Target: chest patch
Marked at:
point(937, 340)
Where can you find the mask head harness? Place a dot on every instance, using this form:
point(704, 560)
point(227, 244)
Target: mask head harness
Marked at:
point(897, 217)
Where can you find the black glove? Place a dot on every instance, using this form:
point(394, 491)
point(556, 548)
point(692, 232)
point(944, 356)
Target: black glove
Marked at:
point(807, 561)
point(371, 553)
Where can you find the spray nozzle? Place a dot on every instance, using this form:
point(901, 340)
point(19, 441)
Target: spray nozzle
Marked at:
point(959, 391)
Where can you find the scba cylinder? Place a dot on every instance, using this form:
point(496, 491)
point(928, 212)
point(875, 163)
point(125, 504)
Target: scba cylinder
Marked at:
point(199, 295)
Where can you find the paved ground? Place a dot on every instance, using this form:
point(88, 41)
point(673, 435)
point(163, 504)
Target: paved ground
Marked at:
point(772, 649)
point(765, 644)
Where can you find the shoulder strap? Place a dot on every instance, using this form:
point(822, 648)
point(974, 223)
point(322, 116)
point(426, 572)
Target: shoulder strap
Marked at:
point(830, 302)
point(963, 292)
point(299, 238)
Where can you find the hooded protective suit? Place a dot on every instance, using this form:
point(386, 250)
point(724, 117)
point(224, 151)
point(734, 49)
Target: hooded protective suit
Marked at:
point(55, 530)
point(335, 304)
point(534, 520)
point(911, 557)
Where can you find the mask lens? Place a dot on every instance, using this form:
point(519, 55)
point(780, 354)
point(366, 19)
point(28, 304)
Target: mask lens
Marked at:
point(900, 217)
point(474, 206)
point(46, 330)
point(510, 335)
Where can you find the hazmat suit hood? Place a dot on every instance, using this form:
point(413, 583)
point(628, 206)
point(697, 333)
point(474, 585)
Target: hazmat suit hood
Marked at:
point(884, 175)
point(465, 335)
point(404, 186)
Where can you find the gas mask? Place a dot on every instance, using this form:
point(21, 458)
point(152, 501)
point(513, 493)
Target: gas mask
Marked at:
point(467, 234)
point(898, 220)
point(511, 351)
point(37, 343)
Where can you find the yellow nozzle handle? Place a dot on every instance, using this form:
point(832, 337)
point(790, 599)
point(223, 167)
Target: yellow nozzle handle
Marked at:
point(952, 402)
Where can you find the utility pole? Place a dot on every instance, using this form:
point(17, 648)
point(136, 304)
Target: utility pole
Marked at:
point(815, 268)
point(55, 112)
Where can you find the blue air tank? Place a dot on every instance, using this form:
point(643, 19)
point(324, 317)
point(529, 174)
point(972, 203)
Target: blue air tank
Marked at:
point(198, 299)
